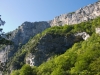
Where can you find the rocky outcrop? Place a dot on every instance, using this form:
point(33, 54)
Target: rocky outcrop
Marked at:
point(84, 35)
point(27, 30)
point(22, 34)
point(30, 59)
point(48, 46)
point(97, 30)
point(51, 45)
point(4, 53)
point(86, 13)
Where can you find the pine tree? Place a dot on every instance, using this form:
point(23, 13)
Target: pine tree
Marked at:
point(2, 39)
point(1, 23)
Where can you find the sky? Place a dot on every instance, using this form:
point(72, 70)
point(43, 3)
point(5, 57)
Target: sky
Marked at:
point(16, 12)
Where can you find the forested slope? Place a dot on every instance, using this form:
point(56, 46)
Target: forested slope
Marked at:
point(81, 58)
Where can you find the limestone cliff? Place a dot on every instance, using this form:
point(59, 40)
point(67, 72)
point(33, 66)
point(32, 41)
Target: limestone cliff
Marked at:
point(49, 46)
point(27, 30)
point(86, 13)
point(21, 35)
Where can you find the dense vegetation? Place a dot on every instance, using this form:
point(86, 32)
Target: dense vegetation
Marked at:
point(81, 59)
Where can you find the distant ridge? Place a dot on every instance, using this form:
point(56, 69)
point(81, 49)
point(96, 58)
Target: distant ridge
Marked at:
point(86, 13)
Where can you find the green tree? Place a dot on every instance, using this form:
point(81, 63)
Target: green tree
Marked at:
point(1, 33)
point(2, 39)
point(16, 72)
point(26, 70)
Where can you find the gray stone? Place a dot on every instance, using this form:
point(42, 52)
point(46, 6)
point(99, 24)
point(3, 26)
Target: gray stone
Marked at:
point(86, 13)
point(84, 35)
point(97, 30)
point(49, 46)
point(21, 36)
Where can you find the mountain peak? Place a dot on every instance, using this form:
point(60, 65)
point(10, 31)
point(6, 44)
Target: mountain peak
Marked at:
point(86, 13)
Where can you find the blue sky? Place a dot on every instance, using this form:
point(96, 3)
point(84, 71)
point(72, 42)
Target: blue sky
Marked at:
point(15, 12)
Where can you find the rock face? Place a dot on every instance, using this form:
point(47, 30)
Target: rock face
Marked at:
point(21, 36)
point(27, 30)
point(4, 53)
point(48, 46)
point(30, 59)
point(84, 35)
point(86, 13)
point(97, 30)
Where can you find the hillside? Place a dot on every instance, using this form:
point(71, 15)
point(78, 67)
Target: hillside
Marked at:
point(81, 58)
point(66, 45)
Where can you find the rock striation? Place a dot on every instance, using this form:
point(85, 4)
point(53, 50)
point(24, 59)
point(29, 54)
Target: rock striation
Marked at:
point(84, 35)
point(27, 30)
point(49, 46)
point(86, 13)
point(21, 35)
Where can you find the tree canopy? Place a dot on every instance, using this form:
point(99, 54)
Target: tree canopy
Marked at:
point(3, 40)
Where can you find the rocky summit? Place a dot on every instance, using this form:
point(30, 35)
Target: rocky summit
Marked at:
point(27, 30)
point(86, 13)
